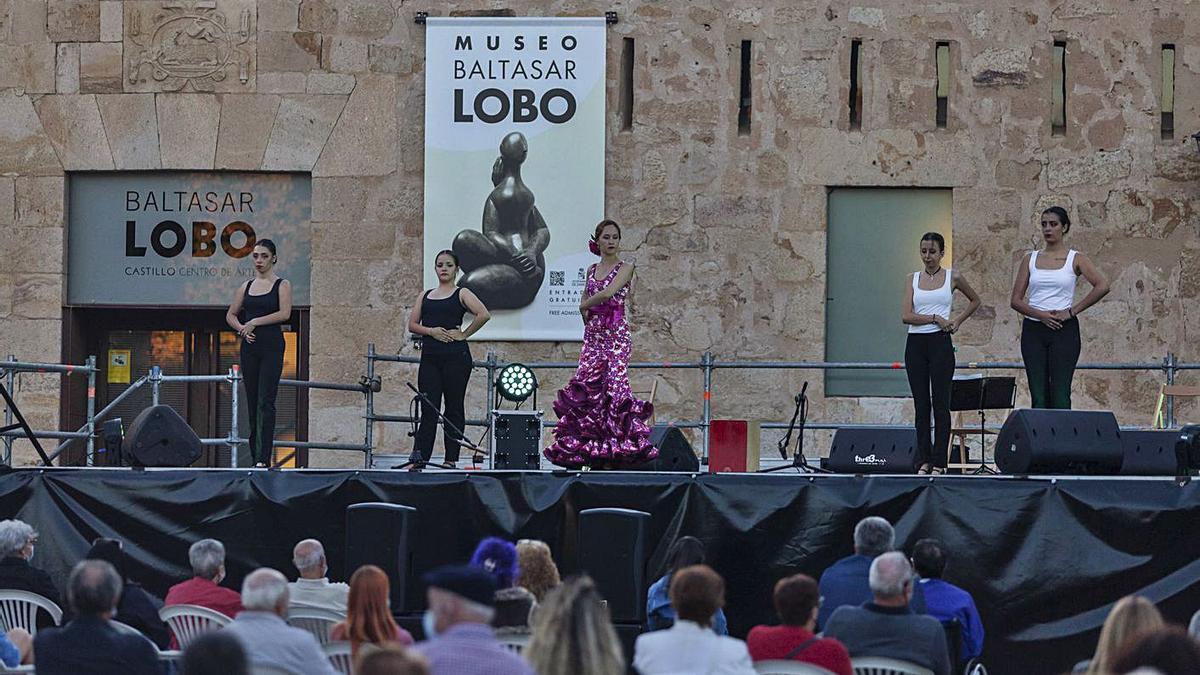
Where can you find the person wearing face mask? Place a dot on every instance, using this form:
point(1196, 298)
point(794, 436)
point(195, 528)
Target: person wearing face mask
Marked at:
point(17, 541)
point(458, 637)
point(207, 558)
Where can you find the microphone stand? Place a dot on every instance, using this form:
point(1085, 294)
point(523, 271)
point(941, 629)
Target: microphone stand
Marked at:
point(417, 464)
point(798, 460)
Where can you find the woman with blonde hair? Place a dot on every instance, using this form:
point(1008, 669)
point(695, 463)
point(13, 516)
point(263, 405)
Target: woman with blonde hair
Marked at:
point(537, 572)
point(1131, 616)
point(368, 617)
point(572, 633)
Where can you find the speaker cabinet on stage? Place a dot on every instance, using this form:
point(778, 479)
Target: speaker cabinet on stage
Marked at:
point(612, 550)
point(1046, 441)
point(158, 436)
point(873, 450)
point(517, 439)
point(674, 451)
point(1150, 453)
point(381, 534)
point(733, 446)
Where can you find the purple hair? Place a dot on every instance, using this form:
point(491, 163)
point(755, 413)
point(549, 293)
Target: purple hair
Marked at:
point(498, 558)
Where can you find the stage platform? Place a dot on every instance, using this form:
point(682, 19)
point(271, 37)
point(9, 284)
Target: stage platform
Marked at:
point(1044, 557)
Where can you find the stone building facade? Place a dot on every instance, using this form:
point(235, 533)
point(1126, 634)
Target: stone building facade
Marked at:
point(728, 228)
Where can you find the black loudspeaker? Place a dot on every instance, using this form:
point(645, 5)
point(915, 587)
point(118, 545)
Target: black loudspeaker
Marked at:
point(873, 450)
point(1060, 442)
point(158, 436)
point(380, 534)
point(516, 440)
point(1150, 453)
point(674, 451)
point(612, 550)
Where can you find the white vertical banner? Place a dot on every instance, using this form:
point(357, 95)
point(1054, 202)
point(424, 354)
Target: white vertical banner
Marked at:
point(514, 164)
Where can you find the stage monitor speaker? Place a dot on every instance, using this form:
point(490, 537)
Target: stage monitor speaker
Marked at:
point(381, 534)
point(733, 446)
point(612, 550)
point(517, 440)
point(1044, 441)
point(873, 450)
point(674, 451)
point(1150, 453)
point(158, 436)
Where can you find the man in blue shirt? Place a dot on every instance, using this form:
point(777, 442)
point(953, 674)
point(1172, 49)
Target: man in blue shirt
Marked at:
point(943, 600)
point(845, 582)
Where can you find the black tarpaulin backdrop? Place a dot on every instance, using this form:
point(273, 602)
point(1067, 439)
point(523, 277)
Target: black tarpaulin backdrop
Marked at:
point(1044, 559)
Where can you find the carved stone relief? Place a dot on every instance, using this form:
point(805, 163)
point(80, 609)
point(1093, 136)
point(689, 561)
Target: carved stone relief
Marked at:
point(190, 45)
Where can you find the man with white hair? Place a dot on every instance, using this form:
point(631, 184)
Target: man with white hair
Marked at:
point(268, 640)
point(17, 541)
point(312, 589)
point(886, 626)
point(845, 581)
point(207, 558)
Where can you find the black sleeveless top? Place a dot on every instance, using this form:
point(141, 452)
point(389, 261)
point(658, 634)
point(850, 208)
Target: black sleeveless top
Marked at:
point(445, 313)
point(254, 306)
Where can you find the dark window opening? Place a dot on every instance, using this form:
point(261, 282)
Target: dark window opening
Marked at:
point(627, 84)
point(744, 98)
point(943, 84)
point(1168, 93)
point(856, 84)
point(1058, 118)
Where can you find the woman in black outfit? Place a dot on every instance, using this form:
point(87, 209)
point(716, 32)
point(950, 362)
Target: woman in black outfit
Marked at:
point(445, 358)
point(258, 309)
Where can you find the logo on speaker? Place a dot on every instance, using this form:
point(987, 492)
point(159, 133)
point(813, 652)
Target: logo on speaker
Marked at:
point(870, 460)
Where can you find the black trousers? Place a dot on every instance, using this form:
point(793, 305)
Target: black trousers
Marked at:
point(1050, 357)
point(262, 364)
point(442, 376)
point(929, 361)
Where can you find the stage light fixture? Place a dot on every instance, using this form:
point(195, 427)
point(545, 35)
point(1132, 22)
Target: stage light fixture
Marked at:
point(516, 383)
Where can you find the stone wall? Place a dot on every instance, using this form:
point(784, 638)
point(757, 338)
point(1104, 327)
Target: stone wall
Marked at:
point(728, 229)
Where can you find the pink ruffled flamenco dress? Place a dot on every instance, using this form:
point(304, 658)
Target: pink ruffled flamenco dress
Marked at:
point(600, 423)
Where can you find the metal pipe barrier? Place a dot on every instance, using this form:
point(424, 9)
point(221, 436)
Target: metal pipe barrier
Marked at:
point(9, 369)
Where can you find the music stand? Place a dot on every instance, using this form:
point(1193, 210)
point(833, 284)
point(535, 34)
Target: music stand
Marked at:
point(980, 393)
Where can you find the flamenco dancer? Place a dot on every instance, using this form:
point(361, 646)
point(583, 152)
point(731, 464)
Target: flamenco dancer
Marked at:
point(600, 423)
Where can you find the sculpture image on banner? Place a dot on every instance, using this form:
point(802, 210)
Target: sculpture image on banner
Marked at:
point(514, 151)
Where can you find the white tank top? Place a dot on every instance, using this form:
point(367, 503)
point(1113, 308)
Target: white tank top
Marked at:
point(1051, 290)
point(935, 302)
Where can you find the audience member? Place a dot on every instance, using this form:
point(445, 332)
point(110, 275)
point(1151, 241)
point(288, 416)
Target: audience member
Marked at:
point(572, 633)
point(90, 644)
point(136, 607)
point(459, 639)
point(312, 589)
point(16, 647)
point(685, 552)
point(207, 558)
point(943, 600)
point(1194, 625)
point(17, 541)
point(390, 659)
point(514, 604)
point(266, 637)
point(796, 602)
point(1130, 616)
point(1169, 650)
point(369, 619)
point(887, 626)
point(690, 645)
point(537, 572)
point(845, 582)
point(215, 653)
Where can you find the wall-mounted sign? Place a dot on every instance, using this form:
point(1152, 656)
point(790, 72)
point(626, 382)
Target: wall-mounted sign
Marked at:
point(182, 238)
point(118, 366)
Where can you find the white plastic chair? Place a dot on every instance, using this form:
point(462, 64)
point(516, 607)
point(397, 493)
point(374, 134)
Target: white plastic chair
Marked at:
point(314, 620)
point(187, 622)
point(18, 609)
point(27, 669)
point(878, 665)
point(782, 667)
point(513, 643)
point(338, 654)
point(270, 670)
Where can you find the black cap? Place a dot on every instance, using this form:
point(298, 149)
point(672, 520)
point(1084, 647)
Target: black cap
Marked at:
point(472, 583)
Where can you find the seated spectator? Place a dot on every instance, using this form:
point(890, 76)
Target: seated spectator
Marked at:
point(1168, 650)
point(513, 604)
point(136, 607)
point(943, 600)
point(215, 653)
point(17, 541)
point(1194, 625)
point(369, 621)
point(459, 639)
point(312, 589)
point(389, 660)
point(887, 626)
point(845, 582)
point(685, 552)
point(90, 644)
point(16, 647)
point(690, 645)
point(537, 572)
point(1130, 616)
point(796, 602)
point(572, 633)
point(266, 637)
point(207, 558)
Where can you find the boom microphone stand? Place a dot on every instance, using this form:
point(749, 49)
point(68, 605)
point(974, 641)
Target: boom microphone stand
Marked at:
point(799, 463)
point(418, 464)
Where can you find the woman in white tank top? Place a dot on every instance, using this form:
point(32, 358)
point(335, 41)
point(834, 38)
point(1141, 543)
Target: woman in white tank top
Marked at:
point(1044, 293)
point(929, 352)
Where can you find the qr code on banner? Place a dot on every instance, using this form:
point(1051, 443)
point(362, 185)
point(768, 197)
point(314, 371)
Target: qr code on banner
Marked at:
point(558, 278)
